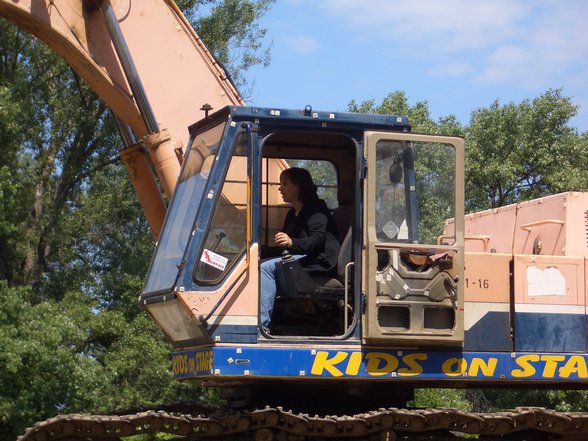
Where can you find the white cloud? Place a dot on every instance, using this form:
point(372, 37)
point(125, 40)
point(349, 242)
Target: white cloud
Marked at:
point(452, 69)
point(294, 36)
point(555, 45)
point(302, 44)
point(506, 63)
point(448, 25)
point(515, 41)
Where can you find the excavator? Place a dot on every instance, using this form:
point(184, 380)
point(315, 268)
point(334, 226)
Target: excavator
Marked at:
point(423, 295)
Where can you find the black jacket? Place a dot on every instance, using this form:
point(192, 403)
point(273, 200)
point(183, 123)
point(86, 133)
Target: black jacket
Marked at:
point(313, 233)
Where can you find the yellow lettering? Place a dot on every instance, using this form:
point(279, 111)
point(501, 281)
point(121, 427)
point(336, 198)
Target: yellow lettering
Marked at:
point(551, 364)
point(209, 361)
point(413, 367)
point(354, 363)
point(322, 363)
point(380, 363)
point(454, 367)
point(180, 364)
point(194, 363)
point(524, 361)
point(487, 367)
point(205, 362)
point(576, 364)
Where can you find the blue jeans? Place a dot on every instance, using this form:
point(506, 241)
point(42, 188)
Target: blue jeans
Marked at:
point(272, 276)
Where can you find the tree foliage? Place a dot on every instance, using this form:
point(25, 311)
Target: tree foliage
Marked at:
point(64, 135)
point(523, 151)
point(419, 115)
point(70, 356)
point(74, 245)
point(434, 164)
point(513, 151)
point(560, 400)
point(232, 33)
point(444, 398)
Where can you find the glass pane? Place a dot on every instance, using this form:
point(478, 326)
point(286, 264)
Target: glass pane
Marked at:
point(415, 191)
point(227, 236)
point(391, 198)
point(434, 166)
point(182, 211)
point(324, 176)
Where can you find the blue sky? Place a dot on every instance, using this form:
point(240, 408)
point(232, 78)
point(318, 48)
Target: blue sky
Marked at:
point(458, 55)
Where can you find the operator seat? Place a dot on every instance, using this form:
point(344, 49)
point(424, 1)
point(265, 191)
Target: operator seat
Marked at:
point(302, 285)
point(344, 214)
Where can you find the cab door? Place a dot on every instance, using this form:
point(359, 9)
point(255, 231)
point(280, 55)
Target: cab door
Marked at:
point(413, 268)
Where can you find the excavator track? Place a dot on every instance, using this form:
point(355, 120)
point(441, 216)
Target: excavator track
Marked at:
point(277, 424)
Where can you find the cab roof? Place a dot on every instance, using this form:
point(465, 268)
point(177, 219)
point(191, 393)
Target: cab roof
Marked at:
point(307, 118)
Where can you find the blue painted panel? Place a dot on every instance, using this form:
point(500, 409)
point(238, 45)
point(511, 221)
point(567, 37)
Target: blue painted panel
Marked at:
point(490, 333)
point(376, 364)
point(550, 332)
point(234, 333)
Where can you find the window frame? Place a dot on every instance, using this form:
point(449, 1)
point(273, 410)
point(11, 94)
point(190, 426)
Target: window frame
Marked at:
point(224, 120)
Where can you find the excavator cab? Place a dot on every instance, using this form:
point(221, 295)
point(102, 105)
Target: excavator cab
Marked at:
point(389, 191)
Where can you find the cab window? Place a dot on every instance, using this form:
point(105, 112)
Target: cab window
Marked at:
point(227, 236)
point(415, 194)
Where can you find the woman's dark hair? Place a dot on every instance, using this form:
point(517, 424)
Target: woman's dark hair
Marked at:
point(303, 181)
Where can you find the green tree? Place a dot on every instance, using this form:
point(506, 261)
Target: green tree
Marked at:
point(445, 398)
point(231, 31)
point(15, 171)
point(419, 115)
point(69, 356)
point(62, 133)
point(43, 369)
point(523, 151)
point(434, 165)
point(560, 400)
point(74, 246)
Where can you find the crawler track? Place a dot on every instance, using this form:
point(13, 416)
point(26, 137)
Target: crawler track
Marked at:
point(276, 424)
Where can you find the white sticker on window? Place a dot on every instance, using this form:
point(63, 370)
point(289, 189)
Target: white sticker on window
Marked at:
point(390, 229)
point(213, 259)
point(403, 232)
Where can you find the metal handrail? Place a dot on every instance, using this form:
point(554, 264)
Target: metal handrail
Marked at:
point(346, 296)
